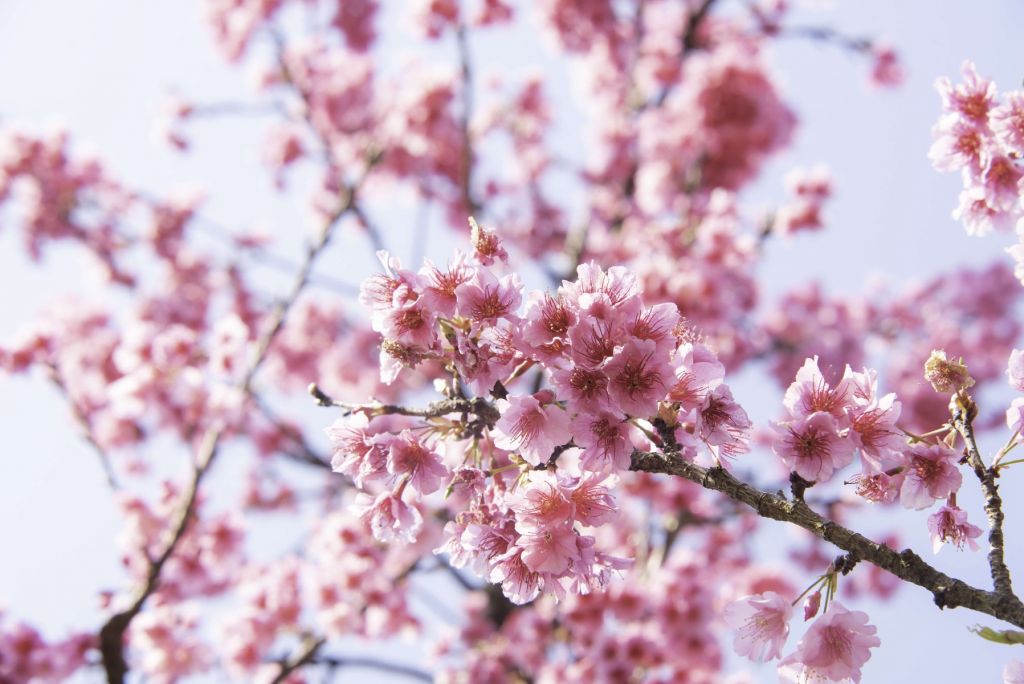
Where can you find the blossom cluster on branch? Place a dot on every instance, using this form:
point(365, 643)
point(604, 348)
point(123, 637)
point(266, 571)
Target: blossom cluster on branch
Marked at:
point(571, 460)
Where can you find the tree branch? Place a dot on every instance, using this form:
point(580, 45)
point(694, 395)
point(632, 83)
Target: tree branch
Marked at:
point(963, 422)
point(113, 630)
point(305, 655)
point(907, 565)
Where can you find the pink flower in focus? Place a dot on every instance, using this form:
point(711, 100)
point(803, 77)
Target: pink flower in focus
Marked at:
point(639, 377)
point(593, 501)
point(810, 393)
point(931, 474)
point(549, 549)
point(812, 447)
point(585, 389)
point(542, 503)
point(390, 518)
point(833, 650)
point(484, 298)
point(604, 438)
point(723, 424)
point(949, 525)
point(409, 457)
point(761, 623)
point(532, 429)
point(958, 144)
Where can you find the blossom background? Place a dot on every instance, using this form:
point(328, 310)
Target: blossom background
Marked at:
point(103, 67)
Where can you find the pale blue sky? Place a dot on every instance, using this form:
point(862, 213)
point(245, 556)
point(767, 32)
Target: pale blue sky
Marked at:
point(102, 67)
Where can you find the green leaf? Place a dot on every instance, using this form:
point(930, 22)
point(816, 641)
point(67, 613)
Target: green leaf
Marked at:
point(1007, 636)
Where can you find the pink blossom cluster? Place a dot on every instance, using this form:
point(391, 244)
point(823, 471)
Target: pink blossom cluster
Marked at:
point(26, 656)
point(981, 134)
point(807, 322)
point(834, 648)
point(211, 551)
point(657, 624)
point(827, 425)
point(344, 584)
point(62, 197)
point(809, 190)
point(616, 368)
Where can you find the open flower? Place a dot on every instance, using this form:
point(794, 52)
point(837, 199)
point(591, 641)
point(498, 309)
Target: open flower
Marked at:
point(761, 623)
point(833, 650)
point(949, 525)
point(532, 429)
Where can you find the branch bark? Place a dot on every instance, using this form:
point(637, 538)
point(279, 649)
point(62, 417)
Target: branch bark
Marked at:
point(907, 565)
point(962, 421)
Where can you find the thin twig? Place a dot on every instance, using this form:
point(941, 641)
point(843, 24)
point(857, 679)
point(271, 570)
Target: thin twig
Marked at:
point(85, 426)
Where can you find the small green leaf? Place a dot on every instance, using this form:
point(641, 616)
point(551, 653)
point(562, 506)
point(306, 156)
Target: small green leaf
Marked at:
point(1007, 636)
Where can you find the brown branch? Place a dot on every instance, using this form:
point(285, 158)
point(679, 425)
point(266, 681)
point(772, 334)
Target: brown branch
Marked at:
point(907, 565)
point(963, 422)
point(478, 406)
point(370, 663)
point(466, 70)
point(304, 656)
point(113, 630)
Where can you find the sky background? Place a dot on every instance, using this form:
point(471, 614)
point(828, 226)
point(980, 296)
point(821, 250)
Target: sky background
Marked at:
point(102, 67)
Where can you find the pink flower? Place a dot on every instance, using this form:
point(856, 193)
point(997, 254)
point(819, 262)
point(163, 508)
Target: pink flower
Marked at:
point(1015, 416)
point(604, 438)
point(810, 393)
point(585, 389)
point(542, 504)
point(1013, 673)
point(949, 524)
point(593, 501)
point(931, 474)
point(812, 447)
point(487, 245)
point(390, 518)
point(519, 583)
point(699, 371)
point(548, 320)
point(1001, 182)
point(1008, 122)
point(723, 424)
point(549, 549)
point(833, 650)
point(972, 100)
point(1015, 369)
point(484, 298)
point(532, 429)
point(639, 377)
point(439, 285)
point(878, 487)
point(761, 623)
point(958, 144)
point(407, 456)
point(874, 430)
point(886, 70)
